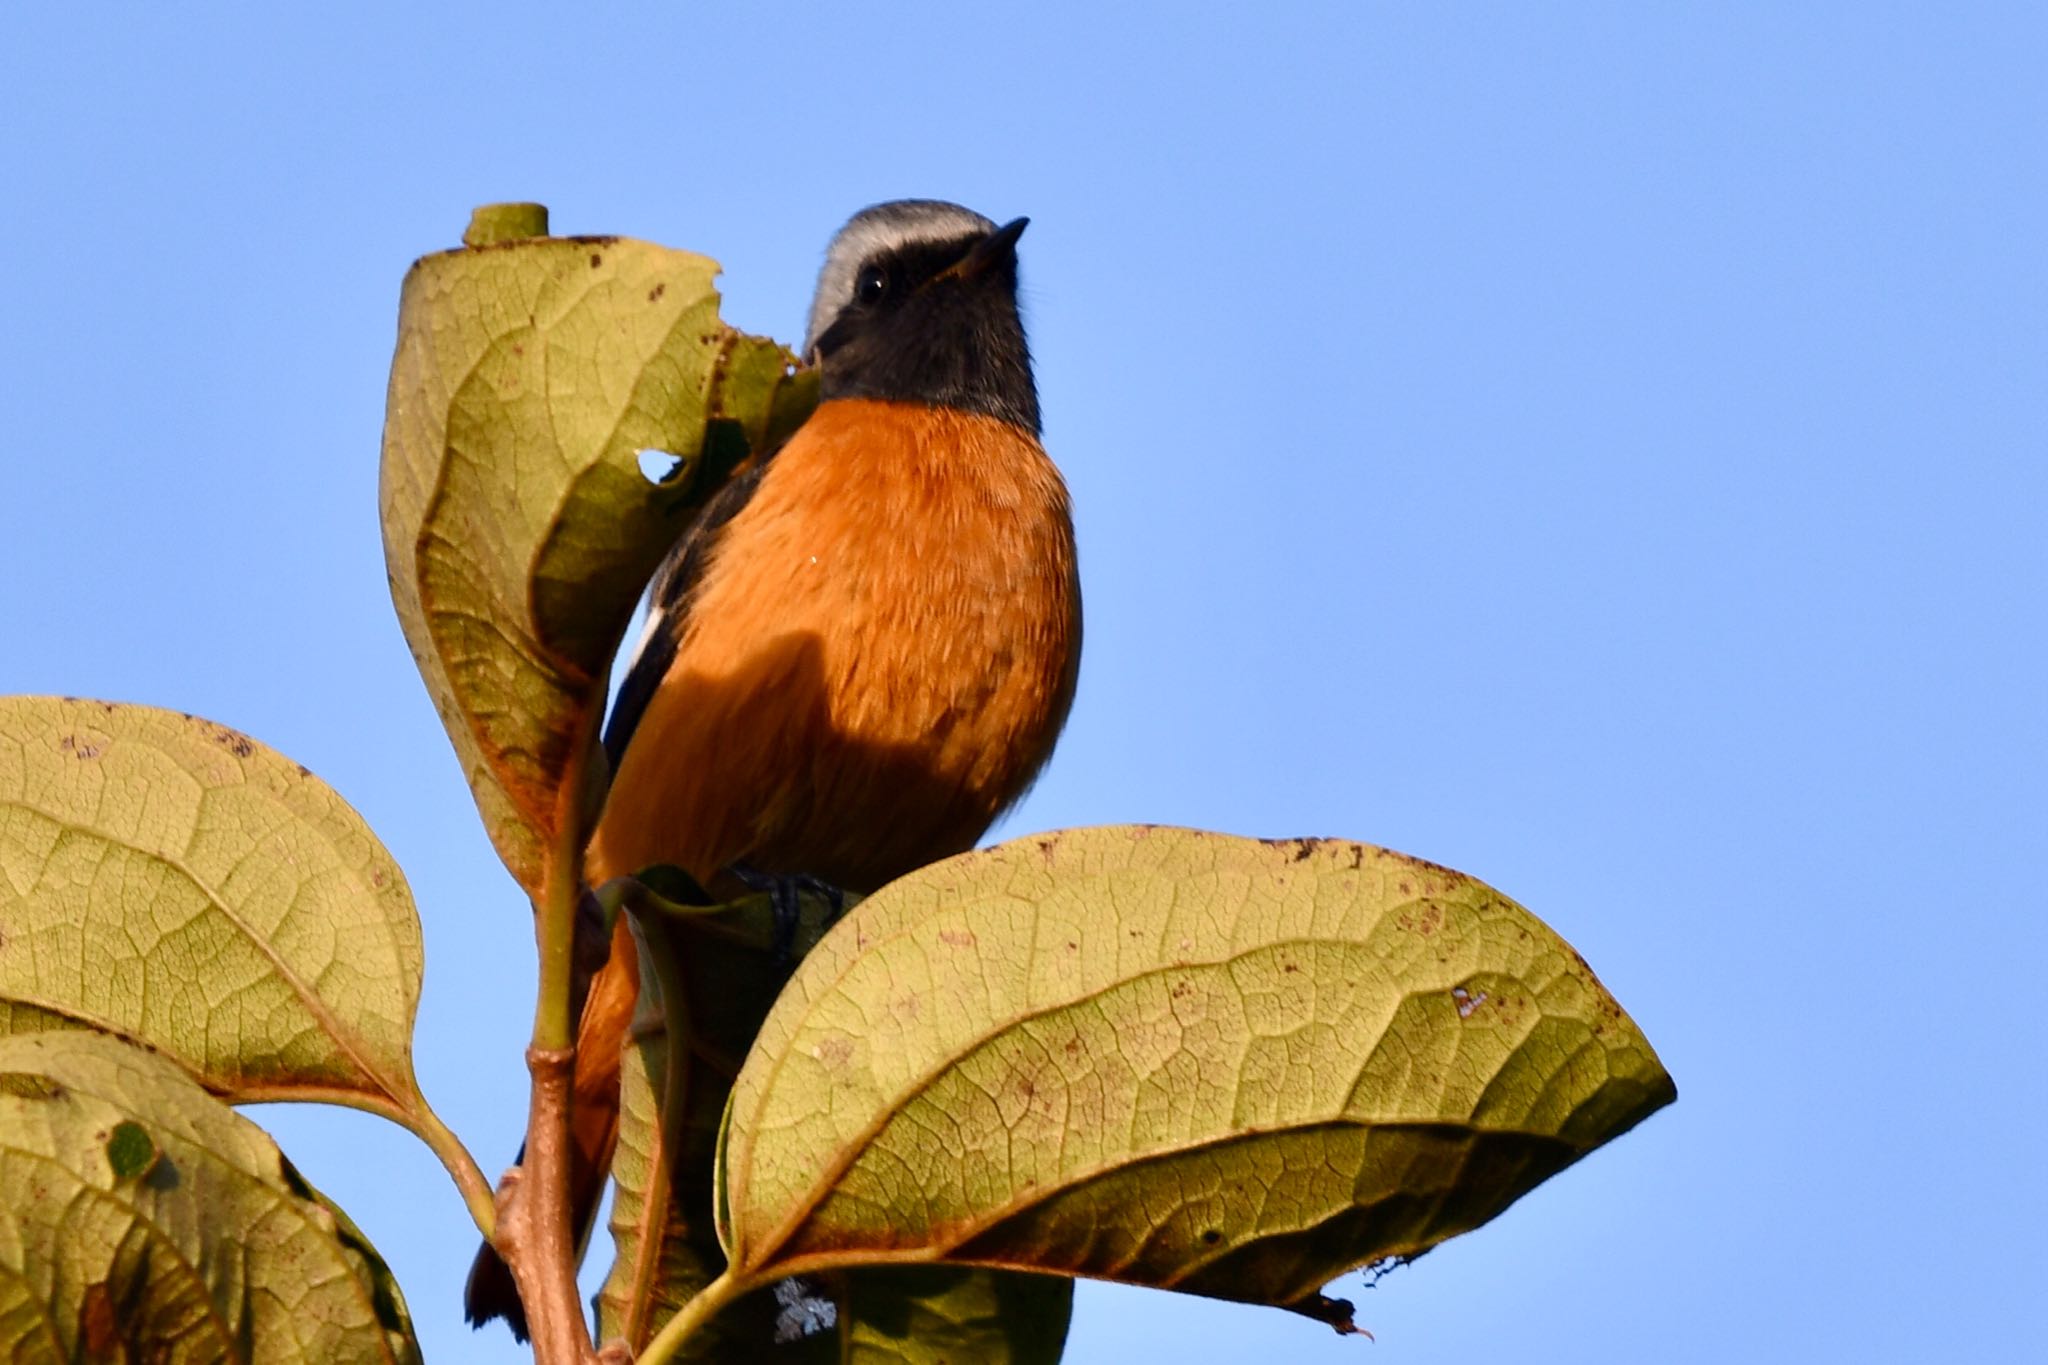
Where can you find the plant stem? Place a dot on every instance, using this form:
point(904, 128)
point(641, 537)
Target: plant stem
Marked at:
point(555, 914)
point(691, 1316)
point(538, 1244)
point(469, 1178)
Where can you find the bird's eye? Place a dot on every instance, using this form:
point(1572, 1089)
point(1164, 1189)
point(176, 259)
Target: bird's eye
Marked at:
point(872, 284)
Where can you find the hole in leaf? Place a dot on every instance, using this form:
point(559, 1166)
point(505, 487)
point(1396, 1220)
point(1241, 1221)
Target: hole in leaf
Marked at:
point(659, 466)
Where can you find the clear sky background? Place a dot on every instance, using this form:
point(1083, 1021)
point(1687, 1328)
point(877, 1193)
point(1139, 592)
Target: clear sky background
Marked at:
point(1599, 447)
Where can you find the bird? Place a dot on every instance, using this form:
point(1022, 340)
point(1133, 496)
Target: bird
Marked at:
point(863, 648)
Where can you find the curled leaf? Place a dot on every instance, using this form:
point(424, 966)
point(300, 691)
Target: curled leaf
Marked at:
point(213, 1249)
point(723, 969)
point(1219, 1065)
point(518, 528)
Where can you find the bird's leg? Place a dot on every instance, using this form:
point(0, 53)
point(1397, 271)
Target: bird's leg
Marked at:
point(785, 891)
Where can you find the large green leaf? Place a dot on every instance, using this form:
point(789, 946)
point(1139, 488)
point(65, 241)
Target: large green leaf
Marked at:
point(141, 1219)
point(1219, 1065)
point(174, 881)
point(518, 528)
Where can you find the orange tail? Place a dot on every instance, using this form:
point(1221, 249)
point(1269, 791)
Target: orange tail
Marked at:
point(609, 997)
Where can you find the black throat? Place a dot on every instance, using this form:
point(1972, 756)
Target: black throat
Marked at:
point(934, 335)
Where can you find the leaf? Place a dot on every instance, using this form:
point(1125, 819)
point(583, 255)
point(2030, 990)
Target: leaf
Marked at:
point(726, 969)
point(1171, 1058)
point(175, 882)
point(518, 529)
point(945, 1315)
point(216, 1251)
point(724, 972)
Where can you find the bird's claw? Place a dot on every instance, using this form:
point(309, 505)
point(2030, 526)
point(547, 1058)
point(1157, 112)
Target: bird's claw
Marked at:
point(785, 891)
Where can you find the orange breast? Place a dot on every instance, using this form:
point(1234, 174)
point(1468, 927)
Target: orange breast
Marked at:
point(877, 660)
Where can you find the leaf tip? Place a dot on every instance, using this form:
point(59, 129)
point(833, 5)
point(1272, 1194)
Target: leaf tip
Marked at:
point(1333, 1313)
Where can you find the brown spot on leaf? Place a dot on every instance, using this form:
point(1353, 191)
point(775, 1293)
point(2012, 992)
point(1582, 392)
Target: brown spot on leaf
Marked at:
point(98, 1328)
point(835, 1051)
point(956, 938)
point(80, 748)
point(1210, 1237)
point(236, 743)
point(1426, 923)
point(1426, 865)
point(596, 260)
point(656, 292)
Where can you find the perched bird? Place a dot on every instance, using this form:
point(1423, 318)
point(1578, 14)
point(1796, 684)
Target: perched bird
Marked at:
point(862, 649)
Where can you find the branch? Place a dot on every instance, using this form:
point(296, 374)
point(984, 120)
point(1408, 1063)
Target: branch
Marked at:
point(534, 1232)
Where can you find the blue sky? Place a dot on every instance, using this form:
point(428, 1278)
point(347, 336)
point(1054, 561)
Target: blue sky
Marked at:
point(1599, 447)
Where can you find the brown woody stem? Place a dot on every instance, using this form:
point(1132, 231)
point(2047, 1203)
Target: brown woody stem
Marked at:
point(534, 1232)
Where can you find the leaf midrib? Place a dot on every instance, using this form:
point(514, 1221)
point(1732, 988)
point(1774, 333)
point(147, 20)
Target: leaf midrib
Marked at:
point(314, 1003)
point(940, 1251)
point(860, 1141)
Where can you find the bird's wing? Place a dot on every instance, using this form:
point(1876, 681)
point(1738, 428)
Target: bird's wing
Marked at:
point(669, 608)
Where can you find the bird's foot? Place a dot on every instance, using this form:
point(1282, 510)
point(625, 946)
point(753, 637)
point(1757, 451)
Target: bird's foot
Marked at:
point(785, 891)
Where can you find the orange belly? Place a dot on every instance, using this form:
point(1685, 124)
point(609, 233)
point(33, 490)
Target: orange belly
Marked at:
point(875, 663)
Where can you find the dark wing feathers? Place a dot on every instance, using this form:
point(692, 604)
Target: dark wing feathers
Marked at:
point(676, 580)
